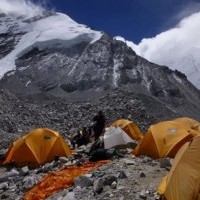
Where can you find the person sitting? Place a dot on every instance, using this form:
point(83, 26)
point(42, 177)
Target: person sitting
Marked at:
point(81, 138)
point(84, 137)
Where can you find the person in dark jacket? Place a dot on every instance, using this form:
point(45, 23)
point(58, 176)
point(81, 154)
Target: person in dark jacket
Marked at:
point(80, 138)
point(99, 125)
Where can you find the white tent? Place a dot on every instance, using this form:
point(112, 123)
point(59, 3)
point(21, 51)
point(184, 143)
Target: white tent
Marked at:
point(115, 136)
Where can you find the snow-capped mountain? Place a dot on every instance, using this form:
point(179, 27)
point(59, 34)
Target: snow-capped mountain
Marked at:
point(49, 53)
point(41, 31)
point(189, 64)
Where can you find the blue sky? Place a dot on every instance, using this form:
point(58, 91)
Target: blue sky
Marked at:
point(131, 19)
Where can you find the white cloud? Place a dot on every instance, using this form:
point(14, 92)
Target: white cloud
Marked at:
point(20, 7)
point(174, 43)
point(192, 7)
point(177, 48)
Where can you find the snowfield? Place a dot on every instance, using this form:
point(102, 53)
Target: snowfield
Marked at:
point(56, 30)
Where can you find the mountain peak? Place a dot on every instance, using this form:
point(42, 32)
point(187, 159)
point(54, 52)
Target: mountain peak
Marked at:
point(40, 31)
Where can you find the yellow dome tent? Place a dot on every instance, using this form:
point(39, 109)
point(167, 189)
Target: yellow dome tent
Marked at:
point(196, 127)
point(163, 140)
point(183, 180)
point(37, 147)
point(130, 128)
point(186, 122)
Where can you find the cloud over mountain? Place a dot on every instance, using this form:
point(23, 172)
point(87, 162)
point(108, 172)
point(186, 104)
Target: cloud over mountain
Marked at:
point(173, 43)
point(20, 7)
point(178, 48)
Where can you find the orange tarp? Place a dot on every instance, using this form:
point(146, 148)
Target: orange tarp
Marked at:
point(59, 180)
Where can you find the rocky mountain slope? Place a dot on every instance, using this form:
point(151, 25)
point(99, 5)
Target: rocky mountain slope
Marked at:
point(50, 55)
point(18, 117)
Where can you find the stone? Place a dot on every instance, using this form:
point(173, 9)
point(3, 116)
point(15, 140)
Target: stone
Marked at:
point(48, 167)
point(79, 189)
point(83, 181)
point(24, 171)
point(130, 162)
point(5, 177)
point(121, 188)
point(12, 188)
point(143, 195)
point(165, 162)
point(78, 163)
point(142, 175)
point(63, 159)
point(168, 168)
point(69, 196)
point(5, 195)
point(105, 195)
point(111, 195)
point(89, 175)
point(122, 175)
point(157, 197)
point(114, 185)
point(4, 186)
point(109, 179)
point(29, 182)
point(98, 185)
point(147, 160)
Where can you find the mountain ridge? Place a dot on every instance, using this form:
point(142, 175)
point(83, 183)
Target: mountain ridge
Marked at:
point(85, 61)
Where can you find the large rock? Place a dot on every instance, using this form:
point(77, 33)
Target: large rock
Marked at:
point(98, 185)
point(83, 181)
point(29, 182)
point(4, 186)
point(69, 196)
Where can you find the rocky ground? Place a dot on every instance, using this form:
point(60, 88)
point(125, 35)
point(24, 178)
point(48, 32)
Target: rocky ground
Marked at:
point(129, 177)
point(124, 178)
point(18, 117)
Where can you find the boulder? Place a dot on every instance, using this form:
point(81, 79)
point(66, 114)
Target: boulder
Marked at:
point(4, 186)
point(83, 181)
point(69, 196)
point(24, 171)
point(98, 185)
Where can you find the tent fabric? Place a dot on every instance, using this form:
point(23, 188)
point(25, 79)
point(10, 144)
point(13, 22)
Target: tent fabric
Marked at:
point(37, 147)
point(183, 180)
point(115, 136)
point(59, 180)
point(196, 127)
point(163, 140)
point(186, 122)
point(130, 128)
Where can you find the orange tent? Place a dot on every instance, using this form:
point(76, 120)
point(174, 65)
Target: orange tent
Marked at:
point(186, 122)
point(130, 128)
point(37, 147)
point(163, 140)
point(196, 127)
point(183, 180)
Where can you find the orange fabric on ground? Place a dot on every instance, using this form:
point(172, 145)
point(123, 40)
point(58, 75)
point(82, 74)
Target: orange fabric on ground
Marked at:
point(60, 180)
